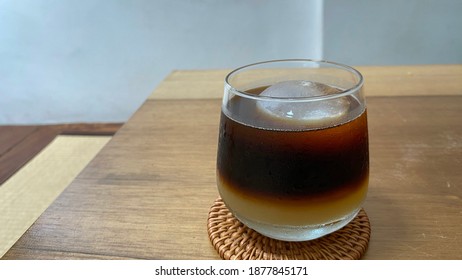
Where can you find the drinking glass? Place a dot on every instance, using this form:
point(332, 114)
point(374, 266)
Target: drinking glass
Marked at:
point(293, 157)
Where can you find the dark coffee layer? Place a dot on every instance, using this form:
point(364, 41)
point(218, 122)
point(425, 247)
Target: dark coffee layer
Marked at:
point(293, 164)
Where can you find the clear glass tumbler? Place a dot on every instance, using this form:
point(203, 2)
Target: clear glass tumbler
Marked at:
point(293, 156)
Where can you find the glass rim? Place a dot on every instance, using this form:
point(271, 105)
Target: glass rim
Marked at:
point(346, 92)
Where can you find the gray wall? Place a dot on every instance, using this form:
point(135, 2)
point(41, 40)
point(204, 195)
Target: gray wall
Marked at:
point(377, 32)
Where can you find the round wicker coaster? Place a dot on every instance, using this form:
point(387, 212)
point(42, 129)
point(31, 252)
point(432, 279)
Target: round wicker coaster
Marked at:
point(235, 241)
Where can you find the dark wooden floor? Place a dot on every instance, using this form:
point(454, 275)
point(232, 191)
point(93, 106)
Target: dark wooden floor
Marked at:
point(19, 144)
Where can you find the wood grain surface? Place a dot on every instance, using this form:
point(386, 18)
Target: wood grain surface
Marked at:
point(20, 145)
point(146, 195)
point(416, 80)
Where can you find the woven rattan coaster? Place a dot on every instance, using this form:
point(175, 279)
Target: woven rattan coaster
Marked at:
point(235, 241)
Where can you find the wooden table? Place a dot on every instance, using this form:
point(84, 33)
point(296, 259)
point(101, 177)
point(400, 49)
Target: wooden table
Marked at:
point(147, 193)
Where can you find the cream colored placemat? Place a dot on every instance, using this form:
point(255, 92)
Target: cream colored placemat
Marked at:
point(26, 195)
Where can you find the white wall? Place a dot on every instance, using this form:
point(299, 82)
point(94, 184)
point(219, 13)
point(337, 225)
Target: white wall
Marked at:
point(97, 61)
point(377, 32)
